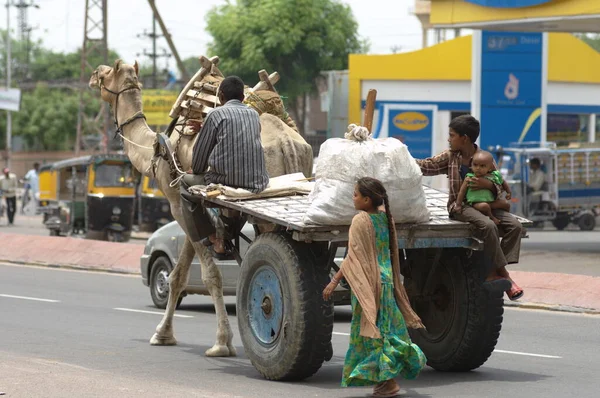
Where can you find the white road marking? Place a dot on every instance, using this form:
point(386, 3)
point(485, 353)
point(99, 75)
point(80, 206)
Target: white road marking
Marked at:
point(151, 312)
point(341, 334)
point(498, 351)
point(527, 354)
point(29, 298)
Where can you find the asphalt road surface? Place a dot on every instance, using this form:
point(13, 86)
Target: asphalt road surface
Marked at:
point(85, 334)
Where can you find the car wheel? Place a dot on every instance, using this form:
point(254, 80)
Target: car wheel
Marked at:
point(159, 282)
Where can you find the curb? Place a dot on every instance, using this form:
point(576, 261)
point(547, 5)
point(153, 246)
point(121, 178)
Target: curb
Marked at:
point(72, 267)
point(552, 307)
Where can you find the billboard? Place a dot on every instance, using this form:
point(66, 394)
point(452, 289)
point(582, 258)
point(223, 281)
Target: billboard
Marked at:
point(414, 125)
point(157, 105)
point(511, 87)
point(10, 99)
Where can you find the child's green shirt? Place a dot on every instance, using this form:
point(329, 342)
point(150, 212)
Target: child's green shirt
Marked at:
point(483, 195)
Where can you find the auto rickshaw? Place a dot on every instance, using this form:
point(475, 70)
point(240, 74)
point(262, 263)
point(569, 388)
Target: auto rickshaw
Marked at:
point(153, 209)
point(96, 197)
point(48, 180)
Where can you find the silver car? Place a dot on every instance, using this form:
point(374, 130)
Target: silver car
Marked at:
point(160, 256)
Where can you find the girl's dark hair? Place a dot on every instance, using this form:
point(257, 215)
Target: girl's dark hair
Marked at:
point(373, 188)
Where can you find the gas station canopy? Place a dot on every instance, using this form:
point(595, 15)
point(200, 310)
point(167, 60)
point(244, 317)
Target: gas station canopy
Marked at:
point(518, 15)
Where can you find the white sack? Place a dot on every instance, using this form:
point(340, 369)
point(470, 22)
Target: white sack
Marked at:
point(343, 161)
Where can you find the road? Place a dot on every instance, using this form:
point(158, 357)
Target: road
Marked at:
point(90, 338)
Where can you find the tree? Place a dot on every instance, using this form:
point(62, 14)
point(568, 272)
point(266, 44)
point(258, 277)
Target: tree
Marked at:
point(48, 116)
point(297, 38)
point(593, 40)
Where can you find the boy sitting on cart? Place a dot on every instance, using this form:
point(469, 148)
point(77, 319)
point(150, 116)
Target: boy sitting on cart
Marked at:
point(456, 162)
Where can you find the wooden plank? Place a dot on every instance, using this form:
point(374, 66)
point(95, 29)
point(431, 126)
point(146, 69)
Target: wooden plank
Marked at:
point(289, 211)
point(204, 97)
point(370, 109)
point(205, 87)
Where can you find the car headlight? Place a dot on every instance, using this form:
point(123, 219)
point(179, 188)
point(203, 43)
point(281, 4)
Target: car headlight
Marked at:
point(165, 208)
point(116, 211)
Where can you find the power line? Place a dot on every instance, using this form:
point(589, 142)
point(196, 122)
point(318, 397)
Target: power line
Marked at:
point(153, 55)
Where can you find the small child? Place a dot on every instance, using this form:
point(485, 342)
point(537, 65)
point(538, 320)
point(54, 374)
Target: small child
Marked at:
point(380, 346)
point(483, 200)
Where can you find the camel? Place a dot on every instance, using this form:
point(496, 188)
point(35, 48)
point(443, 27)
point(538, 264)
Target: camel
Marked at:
point(120, 88)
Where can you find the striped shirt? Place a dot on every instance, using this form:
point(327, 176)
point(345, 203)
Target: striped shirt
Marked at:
point(229, 146)
point(449, 162)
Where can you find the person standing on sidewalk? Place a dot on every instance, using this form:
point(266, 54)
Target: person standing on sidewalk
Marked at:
point(32, 185)
point(8, 186)
point(456, 163)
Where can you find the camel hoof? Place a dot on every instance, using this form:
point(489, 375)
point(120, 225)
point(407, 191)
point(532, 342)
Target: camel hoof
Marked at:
point(232, 351)
point(160, 340)
point(219, 351)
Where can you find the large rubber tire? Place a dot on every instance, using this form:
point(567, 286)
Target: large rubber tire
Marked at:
point(159, 287)
point(587, 222)
point(561, 222)
point(284, 323)
point(463, 319)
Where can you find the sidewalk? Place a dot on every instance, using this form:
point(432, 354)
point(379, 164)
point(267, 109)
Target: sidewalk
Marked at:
point(72, 253)
point(545, 290)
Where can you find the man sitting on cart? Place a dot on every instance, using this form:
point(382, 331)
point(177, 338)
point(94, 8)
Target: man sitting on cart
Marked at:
point(228, 151)
point(456, 163)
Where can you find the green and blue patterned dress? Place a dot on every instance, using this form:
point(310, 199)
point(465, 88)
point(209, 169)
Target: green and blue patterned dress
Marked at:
point(371, 361)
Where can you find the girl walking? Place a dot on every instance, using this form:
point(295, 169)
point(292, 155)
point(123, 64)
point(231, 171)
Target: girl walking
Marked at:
point(380, 347)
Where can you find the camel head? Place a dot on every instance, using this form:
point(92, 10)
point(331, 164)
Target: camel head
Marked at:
point(115, 79)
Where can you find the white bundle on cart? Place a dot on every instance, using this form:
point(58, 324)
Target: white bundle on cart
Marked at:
point(342, 161)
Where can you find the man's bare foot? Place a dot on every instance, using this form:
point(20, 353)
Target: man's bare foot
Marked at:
point(218, 244)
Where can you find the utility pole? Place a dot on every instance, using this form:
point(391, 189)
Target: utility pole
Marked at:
point(8, 76)
point(153, 55)
point(94, 43)
point(184, 74)
point(25, 33)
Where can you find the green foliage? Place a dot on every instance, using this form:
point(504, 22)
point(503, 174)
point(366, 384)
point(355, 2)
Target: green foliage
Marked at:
point(48, 116)
point(297, 38)
point(593, 40)
point(44, 64)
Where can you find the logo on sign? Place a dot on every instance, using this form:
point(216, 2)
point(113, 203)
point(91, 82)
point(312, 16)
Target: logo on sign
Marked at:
point(411, 121)
point(511, 90)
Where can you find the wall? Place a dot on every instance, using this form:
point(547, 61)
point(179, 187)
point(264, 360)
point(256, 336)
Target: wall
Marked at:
point(21, 162)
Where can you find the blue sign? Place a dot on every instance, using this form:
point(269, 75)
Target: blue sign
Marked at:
point(508, 3)
point(511, 87)
point(414, 127)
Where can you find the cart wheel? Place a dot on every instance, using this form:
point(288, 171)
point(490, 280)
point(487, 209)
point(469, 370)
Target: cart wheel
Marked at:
point(561, 222)
point(462, 318)
point(159, 283)
point(54, 232)
point(587, 222)
point(284, 323)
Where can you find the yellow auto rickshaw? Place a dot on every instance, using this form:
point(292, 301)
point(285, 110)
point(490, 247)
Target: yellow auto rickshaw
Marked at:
point(48, 180)
point(96, 197)
point(153, 209)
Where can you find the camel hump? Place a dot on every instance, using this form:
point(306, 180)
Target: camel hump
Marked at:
point(296, 154)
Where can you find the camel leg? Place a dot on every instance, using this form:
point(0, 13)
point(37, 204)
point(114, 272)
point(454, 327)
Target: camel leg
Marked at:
point(213, 280)
point(178, 280)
